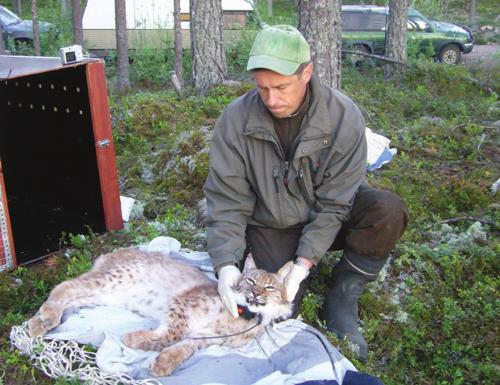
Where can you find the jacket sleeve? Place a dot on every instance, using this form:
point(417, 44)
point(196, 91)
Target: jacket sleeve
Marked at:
point(230, 198)
point(344, 174)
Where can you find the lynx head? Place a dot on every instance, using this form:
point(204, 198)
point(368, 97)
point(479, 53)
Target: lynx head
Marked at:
point(263, 292)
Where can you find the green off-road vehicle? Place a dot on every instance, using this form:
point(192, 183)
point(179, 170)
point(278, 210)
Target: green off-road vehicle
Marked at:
point(364, 28)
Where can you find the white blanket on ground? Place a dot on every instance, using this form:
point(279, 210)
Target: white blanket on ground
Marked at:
point(289, 352)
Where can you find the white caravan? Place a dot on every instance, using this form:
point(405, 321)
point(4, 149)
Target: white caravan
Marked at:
point(150, 23)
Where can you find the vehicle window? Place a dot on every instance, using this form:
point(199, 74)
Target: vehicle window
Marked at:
point(358, 21)
point(421, 24)
point(8, 17)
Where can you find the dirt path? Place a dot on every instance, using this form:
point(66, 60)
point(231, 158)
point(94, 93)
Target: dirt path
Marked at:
point(486, 55)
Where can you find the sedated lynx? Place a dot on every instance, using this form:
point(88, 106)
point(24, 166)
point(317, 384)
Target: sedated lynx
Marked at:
point(181, 297)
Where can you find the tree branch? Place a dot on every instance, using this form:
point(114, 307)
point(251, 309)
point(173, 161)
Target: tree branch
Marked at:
point(378, 57)
point(470, 218)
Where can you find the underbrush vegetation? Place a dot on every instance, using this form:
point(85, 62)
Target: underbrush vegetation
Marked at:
point(430, 318)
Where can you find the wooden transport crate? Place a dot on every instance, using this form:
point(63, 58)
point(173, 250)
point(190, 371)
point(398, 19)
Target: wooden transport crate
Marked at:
point(57, 161)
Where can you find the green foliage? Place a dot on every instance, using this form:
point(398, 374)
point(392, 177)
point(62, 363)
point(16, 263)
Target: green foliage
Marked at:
point(151, 67)
point(237, 54)
point(283, 13)
point(427, 321)
point(432, 315)
point(431, 8)
point(70, 381)
point(162, 140)
point(60, 34)
point(447, 294)
point(311, 307)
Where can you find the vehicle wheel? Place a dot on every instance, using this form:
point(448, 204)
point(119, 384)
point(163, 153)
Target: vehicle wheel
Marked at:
point(358, 60)
point(450, 54)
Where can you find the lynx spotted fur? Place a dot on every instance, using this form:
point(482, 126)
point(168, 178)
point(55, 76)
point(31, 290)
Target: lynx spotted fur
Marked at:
point(181, 297)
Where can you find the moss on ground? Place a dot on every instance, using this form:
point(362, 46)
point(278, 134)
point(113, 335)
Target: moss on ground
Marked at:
point(431, 319)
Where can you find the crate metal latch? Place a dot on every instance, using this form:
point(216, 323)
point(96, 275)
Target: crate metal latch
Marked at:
point(103, 143)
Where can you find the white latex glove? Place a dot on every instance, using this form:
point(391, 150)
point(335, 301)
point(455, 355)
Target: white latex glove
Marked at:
point(292, 281)
point(228, 278)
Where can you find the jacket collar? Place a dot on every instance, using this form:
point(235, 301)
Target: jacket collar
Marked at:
point(316, 121)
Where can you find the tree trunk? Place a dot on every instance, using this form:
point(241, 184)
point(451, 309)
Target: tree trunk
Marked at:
point(319, 22)
point(207, 44)
point(2, 46)
point(178, 42)
point(36, 29)
point(397, 37)
point(473, 13)
point(65, 7)
point(269, 8)
point(17, 7)
point(122, 67)
point(77, 22)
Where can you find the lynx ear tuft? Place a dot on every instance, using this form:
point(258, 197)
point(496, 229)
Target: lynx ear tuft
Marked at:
point(249, 264)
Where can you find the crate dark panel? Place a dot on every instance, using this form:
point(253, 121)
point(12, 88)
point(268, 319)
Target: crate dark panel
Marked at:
point(57, 155)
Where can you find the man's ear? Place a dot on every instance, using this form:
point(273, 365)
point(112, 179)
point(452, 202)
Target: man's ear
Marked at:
point(307, 72)
point(285, 270)
point(249, 264)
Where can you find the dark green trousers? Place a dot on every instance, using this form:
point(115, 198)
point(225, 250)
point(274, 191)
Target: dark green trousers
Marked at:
point(378, 218)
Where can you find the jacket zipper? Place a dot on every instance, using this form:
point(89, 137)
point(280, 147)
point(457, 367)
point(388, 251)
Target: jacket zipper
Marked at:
point(303, 187)
point(277, 182)
point(285, 176)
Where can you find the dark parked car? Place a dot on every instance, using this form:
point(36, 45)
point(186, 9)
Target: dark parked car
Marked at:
point(364, 28)
point(20, 31)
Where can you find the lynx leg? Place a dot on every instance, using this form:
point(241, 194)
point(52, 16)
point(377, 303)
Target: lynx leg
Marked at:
point(171, 357)
point(74, 293)
point(47, 317)
point(152, 339)
point(173, 330)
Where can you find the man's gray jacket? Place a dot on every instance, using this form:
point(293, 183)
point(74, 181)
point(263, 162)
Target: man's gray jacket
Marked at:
point(251, 182)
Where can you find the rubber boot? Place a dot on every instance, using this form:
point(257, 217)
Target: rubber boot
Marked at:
point(341, 307)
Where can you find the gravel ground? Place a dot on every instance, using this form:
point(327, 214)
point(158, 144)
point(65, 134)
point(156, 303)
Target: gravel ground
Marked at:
point(487, 55)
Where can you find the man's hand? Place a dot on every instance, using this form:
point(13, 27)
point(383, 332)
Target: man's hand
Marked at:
point(228, 278)
point(297, 274)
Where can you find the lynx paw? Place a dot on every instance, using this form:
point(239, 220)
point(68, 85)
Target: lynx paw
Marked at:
point(162, 367)
point(141, 340)
point(45, 319)
point(170, 358)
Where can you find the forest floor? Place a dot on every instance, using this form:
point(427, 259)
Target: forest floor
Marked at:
point(486, 55)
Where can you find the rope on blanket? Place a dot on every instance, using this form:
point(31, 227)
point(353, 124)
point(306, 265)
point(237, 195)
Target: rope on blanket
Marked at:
point(57, 358)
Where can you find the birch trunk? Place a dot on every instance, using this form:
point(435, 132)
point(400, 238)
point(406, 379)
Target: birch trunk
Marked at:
point(319, 22)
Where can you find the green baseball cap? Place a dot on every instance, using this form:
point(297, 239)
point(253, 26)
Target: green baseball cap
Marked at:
point(280, 48)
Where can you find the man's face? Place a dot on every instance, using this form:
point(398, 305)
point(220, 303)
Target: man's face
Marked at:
point(282, 94)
